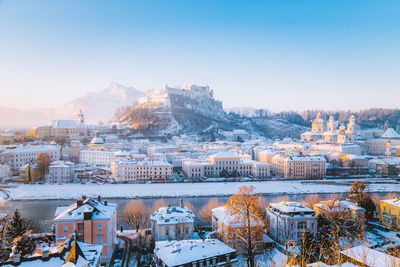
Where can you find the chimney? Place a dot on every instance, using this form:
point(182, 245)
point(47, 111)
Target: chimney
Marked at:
point(99, 198)
point(45, 253)
point(83, 197)
point(79, 203)
point(105, 202)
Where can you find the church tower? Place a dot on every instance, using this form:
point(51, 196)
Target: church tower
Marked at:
point(342, 137)
point(388, 152)
point(81, 118)
point(331, 124)
point(318, 125)
point(352, 129)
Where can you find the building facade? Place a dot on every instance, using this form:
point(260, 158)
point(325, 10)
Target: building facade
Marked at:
point(172, 223)
point(225, 164)
point(389, 212)
point(17, 156)
point(289, 220)
point(331, 132)
point(141, 171)
point(61, 172)
point(94, 222)
point(288, 166)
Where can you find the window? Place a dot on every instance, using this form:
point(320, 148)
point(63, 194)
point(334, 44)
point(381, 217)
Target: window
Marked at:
point(99, 239)
point(99, 227)
point(167, 231)
point(65, 228)
point(302, 225)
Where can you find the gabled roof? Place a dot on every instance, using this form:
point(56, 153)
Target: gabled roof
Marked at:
point(75, 253)
point(76, 212)
point(390, 133)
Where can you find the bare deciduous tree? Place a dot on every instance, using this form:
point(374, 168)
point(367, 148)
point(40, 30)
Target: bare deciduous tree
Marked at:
point(189, 205)
point(136, 213)
point(43, 161)
point(205, 212)
point(243, 208)
point(159, 204)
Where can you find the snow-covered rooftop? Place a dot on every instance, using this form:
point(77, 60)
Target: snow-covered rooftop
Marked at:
point(291, 207)
point(99, 210)
point(390, 133)
point(173, 215)
point(224, 216)
point(338, 206)
point(393, 201)
point(370, 257)
point(224, 155)
point(178, 253)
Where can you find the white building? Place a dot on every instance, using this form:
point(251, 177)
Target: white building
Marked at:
point(378, 146)
point(160, 149)
point(96, 157)
point(5, 171)
point(60, 172)
point(141, 171)
point(288, 221)
point(172, 223)
point(17, 156)
point(288, 166)
point(72, 129)
point(225, 162)
point(330, 132)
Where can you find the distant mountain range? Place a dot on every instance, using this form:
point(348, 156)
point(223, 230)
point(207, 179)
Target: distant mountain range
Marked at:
point(96, 106)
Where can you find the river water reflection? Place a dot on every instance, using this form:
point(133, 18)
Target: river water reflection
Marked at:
point(42, 211)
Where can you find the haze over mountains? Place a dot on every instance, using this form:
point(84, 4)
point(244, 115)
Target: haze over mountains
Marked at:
point(97, 106)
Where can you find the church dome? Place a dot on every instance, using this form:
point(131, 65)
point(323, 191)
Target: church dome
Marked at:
point(97, 140)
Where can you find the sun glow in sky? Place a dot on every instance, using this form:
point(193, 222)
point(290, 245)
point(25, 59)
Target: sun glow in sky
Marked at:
point(279, 55)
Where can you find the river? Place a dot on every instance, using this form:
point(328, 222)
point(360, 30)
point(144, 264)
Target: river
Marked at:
point(42, 211)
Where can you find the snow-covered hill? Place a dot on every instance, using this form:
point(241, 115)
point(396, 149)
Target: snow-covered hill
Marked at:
point(96, 106)
point(100, 106)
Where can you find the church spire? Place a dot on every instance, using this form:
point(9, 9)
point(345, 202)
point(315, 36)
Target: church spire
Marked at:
point(74, 252)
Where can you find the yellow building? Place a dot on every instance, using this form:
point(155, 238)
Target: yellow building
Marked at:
point(389, 212)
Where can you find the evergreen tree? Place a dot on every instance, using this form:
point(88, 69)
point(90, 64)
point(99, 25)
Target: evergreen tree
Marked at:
point(18, 226)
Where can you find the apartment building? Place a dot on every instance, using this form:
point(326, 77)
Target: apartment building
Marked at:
point(225, 162)
point(288, 166)
point(94, 222)
point(17, 156)
point(141, 171)
point(96, 157)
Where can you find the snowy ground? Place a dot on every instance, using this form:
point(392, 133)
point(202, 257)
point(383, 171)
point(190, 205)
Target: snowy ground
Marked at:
point(74, 191)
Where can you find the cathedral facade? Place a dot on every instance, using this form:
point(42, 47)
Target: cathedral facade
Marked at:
point(331, 131)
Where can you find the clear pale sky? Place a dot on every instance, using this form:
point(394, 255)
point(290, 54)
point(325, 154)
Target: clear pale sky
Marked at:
point(280, 55)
